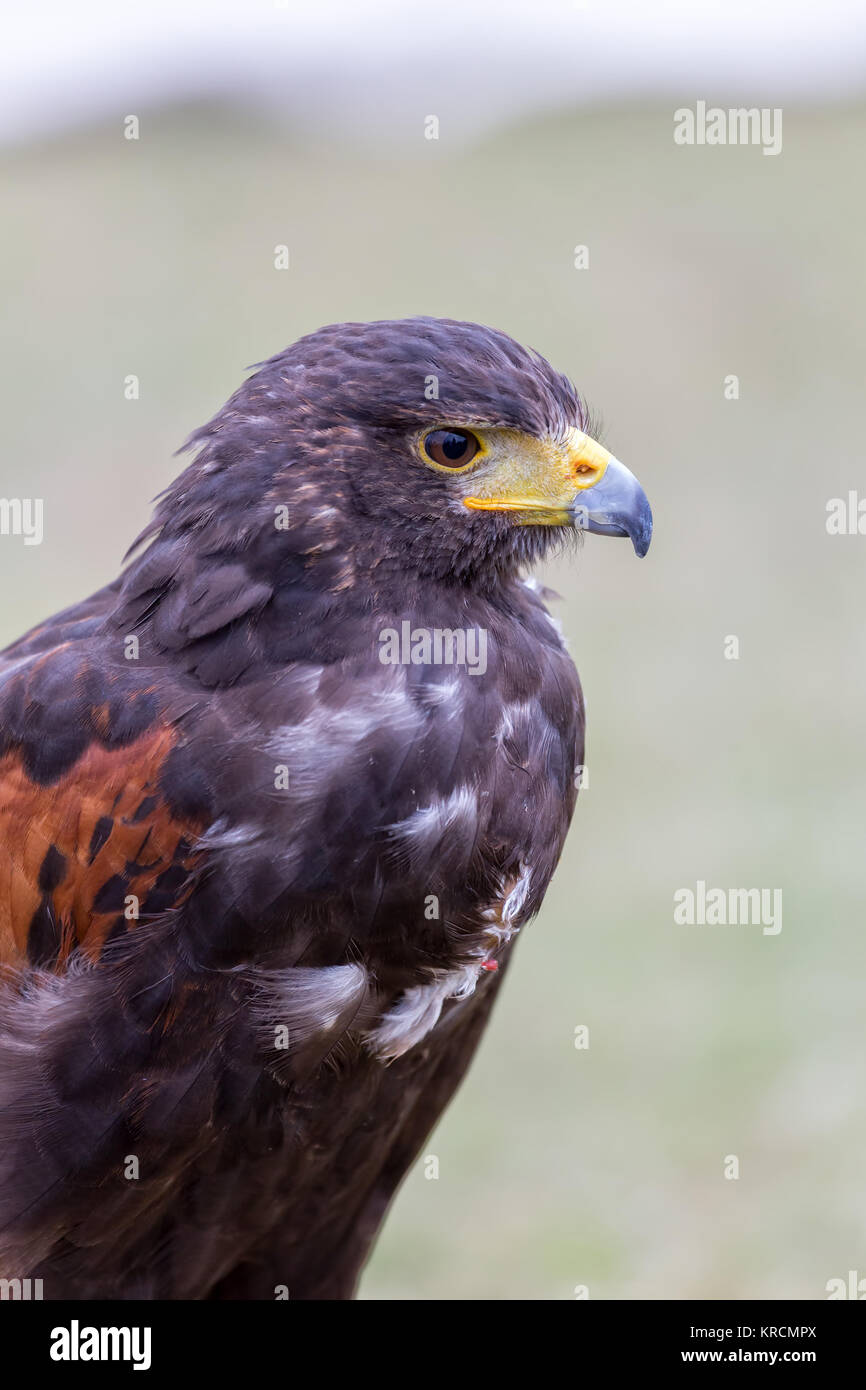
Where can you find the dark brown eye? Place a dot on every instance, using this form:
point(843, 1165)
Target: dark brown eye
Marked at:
point(451, 448)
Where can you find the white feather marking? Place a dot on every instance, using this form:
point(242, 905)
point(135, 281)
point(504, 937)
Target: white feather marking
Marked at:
point(426, 826)
point(307, 1000)
point(513, 905)
point(417, 1011)
point(219, 836)
point(504, 917)
point(512, 715)
point(440, 692)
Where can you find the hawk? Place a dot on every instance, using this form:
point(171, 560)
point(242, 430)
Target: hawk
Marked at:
point(274, 806)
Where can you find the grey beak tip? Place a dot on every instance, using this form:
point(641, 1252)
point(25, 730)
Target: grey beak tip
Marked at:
point(642, 535)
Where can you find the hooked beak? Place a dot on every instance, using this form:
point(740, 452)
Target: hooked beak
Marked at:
point(571, 482)
point(615, 505)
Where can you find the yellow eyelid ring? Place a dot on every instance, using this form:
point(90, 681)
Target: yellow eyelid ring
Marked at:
point(451, 428)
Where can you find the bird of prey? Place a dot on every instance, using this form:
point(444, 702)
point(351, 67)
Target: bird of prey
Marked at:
point(273, 807)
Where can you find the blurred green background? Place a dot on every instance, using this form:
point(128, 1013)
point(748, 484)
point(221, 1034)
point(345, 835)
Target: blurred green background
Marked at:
point(557, 1167)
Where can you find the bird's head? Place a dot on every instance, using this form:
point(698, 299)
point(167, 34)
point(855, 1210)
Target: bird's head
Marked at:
point(421, 445)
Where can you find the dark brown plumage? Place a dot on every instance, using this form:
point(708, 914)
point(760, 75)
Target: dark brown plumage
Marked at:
point(255, 879)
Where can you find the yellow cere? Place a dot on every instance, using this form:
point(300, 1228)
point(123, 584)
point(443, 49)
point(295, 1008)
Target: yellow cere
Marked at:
point(537, 478)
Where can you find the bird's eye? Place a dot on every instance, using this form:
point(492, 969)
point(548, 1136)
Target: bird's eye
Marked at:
point(451, 448)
